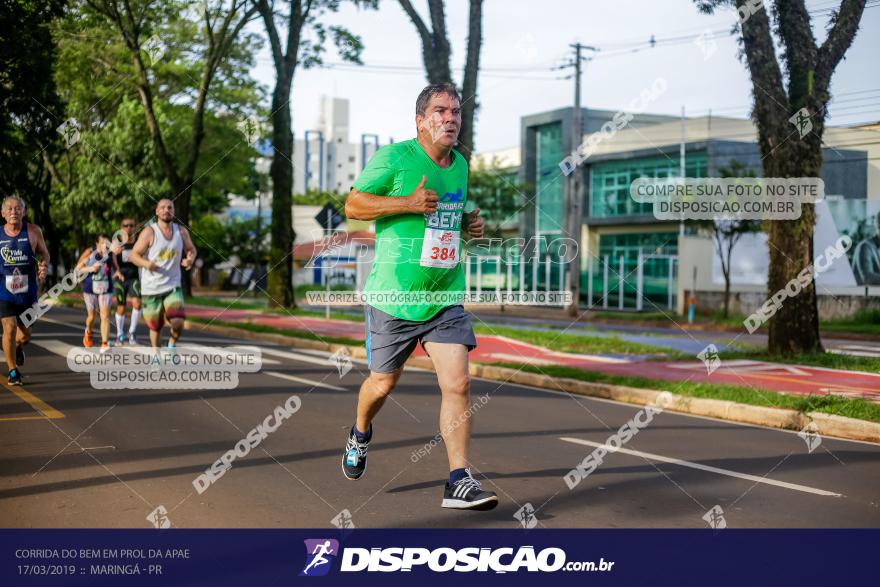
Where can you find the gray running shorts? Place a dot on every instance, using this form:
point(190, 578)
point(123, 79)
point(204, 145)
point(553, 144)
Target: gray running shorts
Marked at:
point(391, 340)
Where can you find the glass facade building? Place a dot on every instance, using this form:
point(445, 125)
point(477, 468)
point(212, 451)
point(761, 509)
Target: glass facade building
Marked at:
point(609, 182)
point(610, 199)
point(549, 182)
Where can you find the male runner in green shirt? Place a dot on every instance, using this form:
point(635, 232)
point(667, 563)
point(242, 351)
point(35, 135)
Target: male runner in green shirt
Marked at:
point(416, 191)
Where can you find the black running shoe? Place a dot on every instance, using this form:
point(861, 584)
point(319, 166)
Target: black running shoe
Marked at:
point(14, 377)
point(468, 494)
point(19, 355)
point(354, 459)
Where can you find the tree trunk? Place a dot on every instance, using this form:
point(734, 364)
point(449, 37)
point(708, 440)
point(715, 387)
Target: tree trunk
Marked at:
point(435, 44)
point(281, 171)
point(726, 294)
point(469, 103)
point(794, 328)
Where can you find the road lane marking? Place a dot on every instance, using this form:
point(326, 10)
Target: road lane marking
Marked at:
point(502, 357)
point(744, 366)
point(327, 362)
point(229, 351)
point(12, 418)
point(304, 380)
point(854, 353)
point(79, 327)
point(700, 467)
point(54, 346)
point(34, 402)
point(546, 351)
point(862, 347)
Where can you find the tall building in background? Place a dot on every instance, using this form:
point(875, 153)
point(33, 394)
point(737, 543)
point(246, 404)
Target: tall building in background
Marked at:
point(324, 159)
point(324, 156)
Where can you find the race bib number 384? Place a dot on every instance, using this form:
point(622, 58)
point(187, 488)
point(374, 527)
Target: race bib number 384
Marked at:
point(440, 248)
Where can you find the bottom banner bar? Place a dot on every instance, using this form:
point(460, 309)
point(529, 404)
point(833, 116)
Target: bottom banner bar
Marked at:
point(434, 557)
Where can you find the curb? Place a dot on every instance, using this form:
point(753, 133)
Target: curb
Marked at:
point(824, 424)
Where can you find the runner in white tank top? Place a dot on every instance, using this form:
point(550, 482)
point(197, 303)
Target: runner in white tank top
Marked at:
point(161, 250)
point(166, 254)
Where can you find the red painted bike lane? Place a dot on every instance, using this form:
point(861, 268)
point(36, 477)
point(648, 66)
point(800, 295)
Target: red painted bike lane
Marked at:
point(777, 377)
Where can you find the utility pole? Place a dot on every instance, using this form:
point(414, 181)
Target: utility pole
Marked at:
point(574, 198)
point(682, 153)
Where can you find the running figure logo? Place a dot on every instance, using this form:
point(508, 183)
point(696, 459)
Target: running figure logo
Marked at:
point(320, 553)
point(801, 121)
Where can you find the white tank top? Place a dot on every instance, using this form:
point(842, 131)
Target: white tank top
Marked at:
point(167, 254)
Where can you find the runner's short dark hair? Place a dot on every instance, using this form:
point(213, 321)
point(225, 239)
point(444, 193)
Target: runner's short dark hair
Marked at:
point(431, 91)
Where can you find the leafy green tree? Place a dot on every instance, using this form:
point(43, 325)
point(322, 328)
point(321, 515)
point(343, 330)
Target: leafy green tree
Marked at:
point(195, 41)
point(109, 173)
point(496, 194)
point(306, 38)
point(114, 169)
point(30, 109)
point(209, 237)
point(314, 197)
point(221, 241)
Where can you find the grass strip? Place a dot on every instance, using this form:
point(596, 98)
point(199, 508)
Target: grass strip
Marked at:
point(828, 404)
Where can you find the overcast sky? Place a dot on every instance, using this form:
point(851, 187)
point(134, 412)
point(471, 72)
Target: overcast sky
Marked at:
point(524, 39)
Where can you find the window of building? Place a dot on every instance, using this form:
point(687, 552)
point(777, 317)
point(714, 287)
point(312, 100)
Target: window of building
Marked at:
point(351, 158)
point(609, 185)
point(629, 245)
point(657, 277)
point(549, 184)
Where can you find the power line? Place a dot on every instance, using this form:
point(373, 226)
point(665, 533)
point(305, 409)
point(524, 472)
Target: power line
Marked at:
point(620, 49)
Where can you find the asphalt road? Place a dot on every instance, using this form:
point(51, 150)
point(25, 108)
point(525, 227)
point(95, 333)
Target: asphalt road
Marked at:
point(108, 458)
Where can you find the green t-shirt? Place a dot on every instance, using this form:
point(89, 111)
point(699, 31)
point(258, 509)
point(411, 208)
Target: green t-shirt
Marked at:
point(415, 252)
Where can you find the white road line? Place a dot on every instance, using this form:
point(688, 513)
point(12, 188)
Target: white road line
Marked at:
point(304, 380)
point(847, 351)
point(54, 346)
point(314, 357)
point(196, 336)
point(301, 357)
point(859, 347)
point(698, 466)
point(225, 352)
point(594, 358)
point(80, 327)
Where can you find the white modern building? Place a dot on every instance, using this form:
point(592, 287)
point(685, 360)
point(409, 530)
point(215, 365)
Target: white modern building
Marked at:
point(324, 157)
